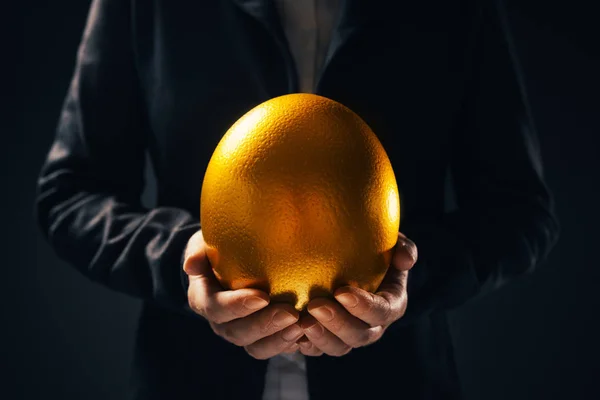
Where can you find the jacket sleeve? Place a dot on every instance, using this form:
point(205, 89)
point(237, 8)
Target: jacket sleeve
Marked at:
point(504, 224)
point(88, 201)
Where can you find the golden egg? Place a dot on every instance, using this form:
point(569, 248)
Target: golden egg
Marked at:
point(300, 198)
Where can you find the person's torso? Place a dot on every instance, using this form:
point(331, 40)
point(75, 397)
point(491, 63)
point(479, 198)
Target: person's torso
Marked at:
point(401, 66)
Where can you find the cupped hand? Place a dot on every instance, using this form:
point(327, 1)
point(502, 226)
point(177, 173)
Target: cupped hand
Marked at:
point(243, 317)
point(358, 318)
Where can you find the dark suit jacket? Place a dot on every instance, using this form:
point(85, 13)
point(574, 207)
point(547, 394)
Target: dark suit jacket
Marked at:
point(437, 81)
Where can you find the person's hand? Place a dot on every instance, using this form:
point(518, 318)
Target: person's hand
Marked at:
point(358, 318)
point(243, 317)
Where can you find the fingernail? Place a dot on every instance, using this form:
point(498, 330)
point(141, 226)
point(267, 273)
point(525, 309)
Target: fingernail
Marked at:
point(255, 303)
point(292, 348)
point(305, 345)
point(411, 247)
point(283, 318)
point(348, 300)
point(322, 313)
point(315, 330)
point(292, 333)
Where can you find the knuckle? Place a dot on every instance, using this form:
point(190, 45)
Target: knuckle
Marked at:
point(396, 310)
point(369, 303)
point(385, 312)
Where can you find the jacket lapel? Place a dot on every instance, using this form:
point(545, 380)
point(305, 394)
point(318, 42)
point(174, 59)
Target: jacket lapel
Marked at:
point(264, 11)
point(354, 14)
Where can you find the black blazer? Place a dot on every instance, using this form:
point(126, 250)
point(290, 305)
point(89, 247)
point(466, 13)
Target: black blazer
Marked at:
point(436, 80)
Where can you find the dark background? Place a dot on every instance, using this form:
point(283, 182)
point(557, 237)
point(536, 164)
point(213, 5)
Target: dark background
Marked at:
point(66, 338)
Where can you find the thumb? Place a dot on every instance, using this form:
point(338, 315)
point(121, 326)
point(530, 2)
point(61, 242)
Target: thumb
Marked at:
point(405, 253)
point(195, 260)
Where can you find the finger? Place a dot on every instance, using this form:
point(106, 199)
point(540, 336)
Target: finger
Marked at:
point(308, 349)
point(405, 253)
point(274, 344)
point(195, 258)
point(350, 329)
point(376, 309)
point(220, 306)
point(207, 297)
point(323, 339)
point(393, 291)
point(292, 349)
point(197, 266)
point(263, 323)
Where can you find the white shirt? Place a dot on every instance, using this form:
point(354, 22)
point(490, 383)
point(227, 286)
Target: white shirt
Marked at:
point(308, 26)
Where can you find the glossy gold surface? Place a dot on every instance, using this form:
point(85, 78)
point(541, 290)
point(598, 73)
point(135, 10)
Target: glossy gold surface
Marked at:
point(298, 199)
